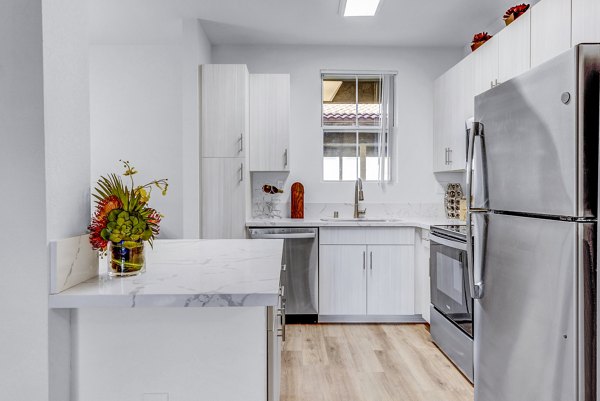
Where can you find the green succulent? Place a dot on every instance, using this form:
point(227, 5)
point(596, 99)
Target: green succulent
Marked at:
point(123, 214)
point(126, 226)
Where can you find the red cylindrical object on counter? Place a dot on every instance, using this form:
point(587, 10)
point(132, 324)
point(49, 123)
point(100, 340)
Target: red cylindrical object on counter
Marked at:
point(297, 201)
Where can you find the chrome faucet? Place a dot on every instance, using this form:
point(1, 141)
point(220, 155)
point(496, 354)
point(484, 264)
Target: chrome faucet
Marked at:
point(358, 196)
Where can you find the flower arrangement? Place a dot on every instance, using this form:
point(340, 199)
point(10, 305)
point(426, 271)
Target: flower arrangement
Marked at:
point(514, 12)
point(479, 39)
point(123, 220)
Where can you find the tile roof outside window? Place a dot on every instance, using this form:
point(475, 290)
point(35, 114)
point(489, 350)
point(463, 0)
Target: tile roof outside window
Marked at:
point(346, 112)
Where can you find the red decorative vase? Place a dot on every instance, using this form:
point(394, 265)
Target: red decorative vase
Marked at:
point(297, 201)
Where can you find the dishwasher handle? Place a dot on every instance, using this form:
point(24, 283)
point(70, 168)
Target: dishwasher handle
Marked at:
point(283, 236)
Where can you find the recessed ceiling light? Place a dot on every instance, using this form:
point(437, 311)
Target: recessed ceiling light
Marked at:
point(359, 8)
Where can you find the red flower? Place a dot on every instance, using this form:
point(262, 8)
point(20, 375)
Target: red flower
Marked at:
point(105, 206)
point(100, 220)
point(516, 11)
point(154, 222)
point(481, 37)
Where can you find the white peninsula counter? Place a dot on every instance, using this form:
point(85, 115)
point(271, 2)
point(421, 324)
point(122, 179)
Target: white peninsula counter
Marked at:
point(188, 273)
point(200, 324)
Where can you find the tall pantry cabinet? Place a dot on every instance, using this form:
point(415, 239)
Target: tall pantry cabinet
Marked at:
point(224, 186)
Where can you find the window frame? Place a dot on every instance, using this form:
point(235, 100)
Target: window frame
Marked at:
point(356, 128)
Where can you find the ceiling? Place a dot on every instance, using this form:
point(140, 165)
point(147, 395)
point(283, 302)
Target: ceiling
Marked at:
point(300, 22)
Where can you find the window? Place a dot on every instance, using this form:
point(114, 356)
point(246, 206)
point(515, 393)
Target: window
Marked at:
point(357, 120)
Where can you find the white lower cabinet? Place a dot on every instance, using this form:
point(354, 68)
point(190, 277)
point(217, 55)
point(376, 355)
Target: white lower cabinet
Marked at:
point(342, 275)
point(422, 279)
point(390, 280)
point(223, 198)
point(370, 275)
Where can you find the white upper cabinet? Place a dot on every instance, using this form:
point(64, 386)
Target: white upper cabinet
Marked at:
point(224, 186)
point(485, 65)
point(453, 105)
point(586, 21)
point(514, 48)
point(441, 114)
point(224, 110)
point(464, 109)
point(269, 122)
point(550, 29)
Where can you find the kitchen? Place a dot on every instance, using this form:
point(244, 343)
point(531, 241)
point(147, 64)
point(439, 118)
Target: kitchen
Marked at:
point(153, 84)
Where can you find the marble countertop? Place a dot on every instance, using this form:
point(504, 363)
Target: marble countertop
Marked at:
point(188, 273)
point(419, 222)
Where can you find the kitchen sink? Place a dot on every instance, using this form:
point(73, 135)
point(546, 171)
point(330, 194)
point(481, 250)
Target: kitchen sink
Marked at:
point(361, 219)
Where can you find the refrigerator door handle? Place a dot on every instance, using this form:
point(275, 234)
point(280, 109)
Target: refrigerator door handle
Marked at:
point(476, 289)
point(476, 130)
point(476, 247)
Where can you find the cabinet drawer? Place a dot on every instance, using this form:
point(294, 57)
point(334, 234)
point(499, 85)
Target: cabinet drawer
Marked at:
point(367, 235)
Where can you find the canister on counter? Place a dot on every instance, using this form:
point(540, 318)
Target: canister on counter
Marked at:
point(462, 212)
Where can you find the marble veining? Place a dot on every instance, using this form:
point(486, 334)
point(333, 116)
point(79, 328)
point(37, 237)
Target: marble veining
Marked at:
point(189, 273)
point(418, 222)
point(72, 261)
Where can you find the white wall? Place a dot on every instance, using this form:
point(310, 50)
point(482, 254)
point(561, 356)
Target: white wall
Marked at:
point(185, 354)
point(23, 252)
point(135, 98)
point(66, 117)
point(44, 168)
point(144, 108)
point(417, 69)
point(197, 51)
point(67, 140)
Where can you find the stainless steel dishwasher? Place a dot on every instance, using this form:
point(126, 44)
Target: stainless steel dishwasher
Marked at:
point(301, 276)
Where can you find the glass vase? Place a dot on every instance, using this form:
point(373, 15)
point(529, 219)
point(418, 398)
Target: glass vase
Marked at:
point(126, 258)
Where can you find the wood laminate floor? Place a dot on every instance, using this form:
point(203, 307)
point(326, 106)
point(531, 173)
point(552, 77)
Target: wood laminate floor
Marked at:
point(371, 362)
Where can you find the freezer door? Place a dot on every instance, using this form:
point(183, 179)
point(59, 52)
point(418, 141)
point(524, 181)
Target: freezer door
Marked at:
point(540, 135)
point(534, 337)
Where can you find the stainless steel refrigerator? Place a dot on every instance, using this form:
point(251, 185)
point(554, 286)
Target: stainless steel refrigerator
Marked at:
point(533, 220)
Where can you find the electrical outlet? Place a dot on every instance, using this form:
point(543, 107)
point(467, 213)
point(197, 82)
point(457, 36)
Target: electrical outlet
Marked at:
point(155, 397)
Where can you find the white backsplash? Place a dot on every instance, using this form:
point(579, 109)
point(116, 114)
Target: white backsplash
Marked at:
point(278, 205)
point(388, 210)
point(346, 210)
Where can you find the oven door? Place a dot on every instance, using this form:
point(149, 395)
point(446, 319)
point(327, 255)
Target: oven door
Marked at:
point(450, 281)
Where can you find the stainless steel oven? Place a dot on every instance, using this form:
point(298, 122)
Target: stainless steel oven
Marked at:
point(451, 302)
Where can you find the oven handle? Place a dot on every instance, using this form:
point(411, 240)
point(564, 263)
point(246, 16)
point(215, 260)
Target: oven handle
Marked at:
point(446, 242)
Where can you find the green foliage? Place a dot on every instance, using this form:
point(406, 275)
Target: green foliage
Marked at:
point(133, 221)
point(126, 226)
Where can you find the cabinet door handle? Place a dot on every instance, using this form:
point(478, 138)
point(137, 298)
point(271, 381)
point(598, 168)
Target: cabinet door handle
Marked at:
point(449, 155)
point(241, 172)
point(446, 156)
point(364, 260)
point(241, 141)
point(371, 257)
point(285, 158)
point(281, 314)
